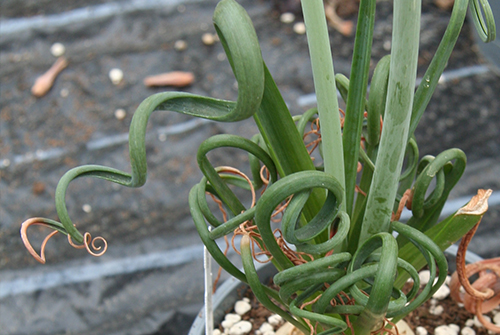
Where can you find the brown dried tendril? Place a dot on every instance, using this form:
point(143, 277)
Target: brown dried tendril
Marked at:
point(483, 295)
point(88, 242)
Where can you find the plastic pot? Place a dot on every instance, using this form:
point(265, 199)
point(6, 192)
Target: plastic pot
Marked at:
point(229, 292)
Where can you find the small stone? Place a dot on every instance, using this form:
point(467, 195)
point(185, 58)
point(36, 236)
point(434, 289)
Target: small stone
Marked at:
point(87, 208)
point(241, 307)
point(120, 114)
point(404, 328)
point(468, 331)
point(162, 137)
point(275, 320)
point(246, 299)
point(232, 317)
point(442, 292)
point(287, 17)
point(116, 76)
point(433, 302)
point(5, 162)
point(180, 45)
point(216, 332)
point(226, 325)
point(454, 327)
point(57, 49)
point(208, 39)
point(266, 327)
point(469, 323)
point(424, 276)
point(437, 310)
point(496, 319)
point(447, 280)
point(299, 28)
point(269, 333)
point(387, 45)
point(421, 330)
point(445, 330)
point(241, 328)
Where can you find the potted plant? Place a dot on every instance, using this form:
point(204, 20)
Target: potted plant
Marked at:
point(340, 266)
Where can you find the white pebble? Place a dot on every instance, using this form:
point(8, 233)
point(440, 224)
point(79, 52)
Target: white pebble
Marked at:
point(57, 49)
point(229, 320)
point(258, 332)
point(438, 310)
point(208, 39)
point(424, 276)
point(442, 292)
point(116, 76)
point(299, 28)
point(496, 319)
point(64, 93)
point(265, 327)
point(468, 331)
point(421, 330)
point(162, 137)
point(87, 208)
point(241, 307)
point(387, 45)
point(433, 302)
point(6, 162)
point(404, 328)
point(445, 330)
point(275, 320)
point(180, 45)
point(226, 325)
point(120, 114)
point(447, 280)
point(287, 17)
point(269, 333)
point(454, 327)
point(216, 332)
point(241, 328)
point(246, 299)
point(469, 323)
point(478, 323)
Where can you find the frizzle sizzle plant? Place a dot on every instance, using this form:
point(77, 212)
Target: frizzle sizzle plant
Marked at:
point(346, 269)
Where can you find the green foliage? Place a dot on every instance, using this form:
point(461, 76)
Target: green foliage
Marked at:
point(347, 236)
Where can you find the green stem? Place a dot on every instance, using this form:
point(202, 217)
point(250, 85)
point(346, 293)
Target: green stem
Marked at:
point(326, 91)
point(356, 99)
point(402, 76)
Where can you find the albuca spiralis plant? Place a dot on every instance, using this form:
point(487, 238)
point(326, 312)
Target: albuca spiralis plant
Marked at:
point(340, 268)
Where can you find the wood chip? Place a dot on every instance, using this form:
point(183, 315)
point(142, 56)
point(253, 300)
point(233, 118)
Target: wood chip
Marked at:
point(175, 78)
point(44, 83)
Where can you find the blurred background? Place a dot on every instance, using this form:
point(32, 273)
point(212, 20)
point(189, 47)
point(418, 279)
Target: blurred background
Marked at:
point(150, 281)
